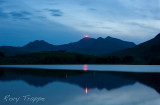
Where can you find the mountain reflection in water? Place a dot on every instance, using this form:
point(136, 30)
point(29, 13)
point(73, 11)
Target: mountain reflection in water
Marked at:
point(87, 80)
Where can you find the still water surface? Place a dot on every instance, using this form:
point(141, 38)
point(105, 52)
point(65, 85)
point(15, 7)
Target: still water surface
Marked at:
point(82, 86)
point(127, 68)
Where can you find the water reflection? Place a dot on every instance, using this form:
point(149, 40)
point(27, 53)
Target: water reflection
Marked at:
point(86, 90)
point(67, 87)
point(85, 67)
point(91, 79)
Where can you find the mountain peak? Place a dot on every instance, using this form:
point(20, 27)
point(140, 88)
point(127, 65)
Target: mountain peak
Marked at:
point(100, 38)
point(38, 41)
point(87, 38)
point(108, 37)
point(112, 38)
point(38, 45)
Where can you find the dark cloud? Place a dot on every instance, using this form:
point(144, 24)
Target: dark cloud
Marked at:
point(55, 12)
point(24, 15)
point(41, 17)
point(92, 9)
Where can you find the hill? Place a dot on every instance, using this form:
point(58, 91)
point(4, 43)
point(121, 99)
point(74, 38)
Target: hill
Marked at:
point(37, 46)
point(149, 50)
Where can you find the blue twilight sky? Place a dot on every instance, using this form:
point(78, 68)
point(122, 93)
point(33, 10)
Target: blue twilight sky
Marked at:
point(64, 21)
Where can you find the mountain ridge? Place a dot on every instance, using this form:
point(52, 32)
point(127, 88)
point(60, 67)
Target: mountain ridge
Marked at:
point(86, 45)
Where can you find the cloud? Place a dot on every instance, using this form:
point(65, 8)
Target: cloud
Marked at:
point(24, 15)
point(55, 12)
point(125, 19)
point(92, 9)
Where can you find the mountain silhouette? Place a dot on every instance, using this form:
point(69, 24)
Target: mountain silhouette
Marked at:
point(38, 45)
point(86, 45)
point(148, 49)
point(97, 46)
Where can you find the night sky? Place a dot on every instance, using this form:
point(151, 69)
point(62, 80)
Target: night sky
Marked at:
point(64, 21)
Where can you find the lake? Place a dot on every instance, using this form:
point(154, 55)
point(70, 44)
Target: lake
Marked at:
point(123, 68)
point(79, 85)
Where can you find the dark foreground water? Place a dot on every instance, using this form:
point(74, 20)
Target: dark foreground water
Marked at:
point(21, 86)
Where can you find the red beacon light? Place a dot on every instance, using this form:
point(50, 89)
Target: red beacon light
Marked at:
point(86, 36)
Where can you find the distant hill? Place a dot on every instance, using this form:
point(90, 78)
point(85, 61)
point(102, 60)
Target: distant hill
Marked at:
point(147, 50)
point(87, 45)
point(37, 46)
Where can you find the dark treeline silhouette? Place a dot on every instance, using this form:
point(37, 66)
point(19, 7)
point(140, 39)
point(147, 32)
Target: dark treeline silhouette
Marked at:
point(154, 61)
point(2, 54)
point(63, 57)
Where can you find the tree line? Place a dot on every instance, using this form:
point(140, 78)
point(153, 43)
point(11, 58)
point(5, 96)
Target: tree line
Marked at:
point(71, 58)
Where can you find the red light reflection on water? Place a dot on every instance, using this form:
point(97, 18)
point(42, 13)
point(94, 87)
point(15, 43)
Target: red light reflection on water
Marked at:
point(86, 90)
point(85, 67)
